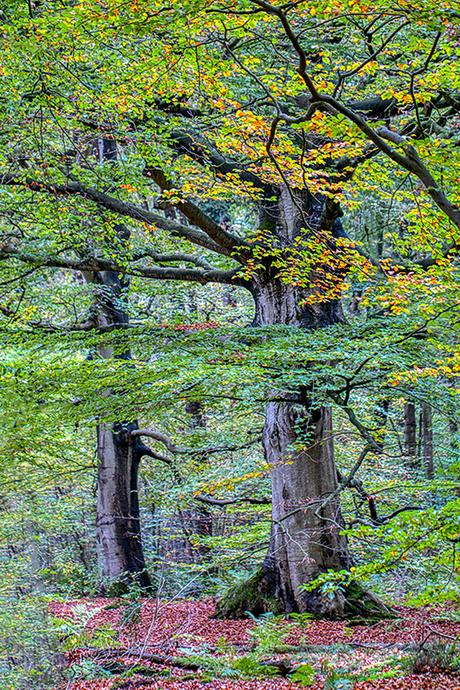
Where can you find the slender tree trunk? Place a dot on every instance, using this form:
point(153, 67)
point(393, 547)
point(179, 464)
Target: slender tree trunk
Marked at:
point(381, 410)
point(195, 520)
point(427, 440)
point(200, 515)
point(410, 429)
point(453, 432)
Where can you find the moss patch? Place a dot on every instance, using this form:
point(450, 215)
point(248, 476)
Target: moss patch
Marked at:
point(360, 604)
point(251, 595)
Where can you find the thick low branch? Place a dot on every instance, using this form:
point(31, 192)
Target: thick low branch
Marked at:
point(93, 264)
point(159, 436)
point(179, 662)
point(170, 258)
point(211, 237)
point(146, 450)
point(221, 502)
point(196, 216)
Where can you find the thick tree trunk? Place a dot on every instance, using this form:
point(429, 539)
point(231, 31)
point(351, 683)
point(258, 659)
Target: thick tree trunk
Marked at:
point(121, 558)
point(305, 538)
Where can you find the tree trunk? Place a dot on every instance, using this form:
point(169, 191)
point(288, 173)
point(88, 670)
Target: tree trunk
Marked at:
point(410, 429)
point(427, 440)
point(453, 433)
point(121, 559)
point(305, 537)
point(381, 410)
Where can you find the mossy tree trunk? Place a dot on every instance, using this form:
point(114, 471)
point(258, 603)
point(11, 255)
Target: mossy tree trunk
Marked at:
point(306, 534)
point(307, 526)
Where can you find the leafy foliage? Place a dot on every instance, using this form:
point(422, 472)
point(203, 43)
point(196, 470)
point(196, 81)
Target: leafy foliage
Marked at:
point(189, 153)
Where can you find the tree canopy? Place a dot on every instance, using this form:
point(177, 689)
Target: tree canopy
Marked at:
point(229, 300)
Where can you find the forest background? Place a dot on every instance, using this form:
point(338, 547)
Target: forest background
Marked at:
point(229, 300)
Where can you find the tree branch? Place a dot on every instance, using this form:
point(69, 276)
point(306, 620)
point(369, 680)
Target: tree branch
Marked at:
point(168, 258)
point(196, 215)
point(232, 501)
point(124, 208)
point(94, 265)
point(159, 436)
point(198, 148)
point(145, 450)
point(410, 161)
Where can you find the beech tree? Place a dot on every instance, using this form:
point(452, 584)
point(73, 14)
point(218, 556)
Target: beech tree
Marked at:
point(119, 448)
point(292, 108)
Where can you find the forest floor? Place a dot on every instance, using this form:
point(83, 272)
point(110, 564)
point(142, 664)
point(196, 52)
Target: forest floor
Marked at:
point(130, 644)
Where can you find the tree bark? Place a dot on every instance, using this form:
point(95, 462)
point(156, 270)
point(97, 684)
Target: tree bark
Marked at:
point(120, 554)
point(121, 558)
point(427, 440)
point(410, 429)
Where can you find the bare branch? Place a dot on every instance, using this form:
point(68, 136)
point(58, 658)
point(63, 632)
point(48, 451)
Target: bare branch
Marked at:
point(221, 502)
point(93, 264)
point(159, 436)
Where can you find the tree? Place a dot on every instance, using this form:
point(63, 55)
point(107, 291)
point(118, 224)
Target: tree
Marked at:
point(119, 451)
point(292, 149)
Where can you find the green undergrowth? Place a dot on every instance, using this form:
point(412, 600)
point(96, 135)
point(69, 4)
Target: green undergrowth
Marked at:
point(438, 656)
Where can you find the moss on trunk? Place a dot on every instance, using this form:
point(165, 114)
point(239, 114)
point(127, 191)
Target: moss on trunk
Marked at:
point(255, 596)
point(362, 604)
